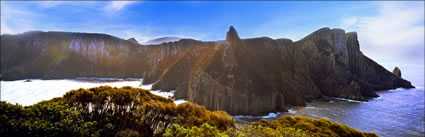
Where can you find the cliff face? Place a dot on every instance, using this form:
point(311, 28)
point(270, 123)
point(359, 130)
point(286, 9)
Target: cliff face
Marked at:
point(241, 76)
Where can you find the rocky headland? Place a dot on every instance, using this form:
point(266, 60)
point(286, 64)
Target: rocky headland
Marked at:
point(252, 76)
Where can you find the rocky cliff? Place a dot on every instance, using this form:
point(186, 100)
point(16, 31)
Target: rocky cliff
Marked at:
point(241, 76)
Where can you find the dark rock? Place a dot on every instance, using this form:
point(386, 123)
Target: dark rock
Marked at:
point(351, 91)
point(232, 34)
point(397, 72)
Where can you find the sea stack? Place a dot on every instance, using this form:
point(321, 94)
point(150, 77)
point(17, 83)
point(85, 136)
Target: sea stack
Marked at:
point(397, 72)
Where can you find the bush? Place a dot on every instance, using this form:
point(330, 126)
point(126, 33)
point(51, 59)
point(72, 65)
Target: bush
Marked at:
point(43, 119)
point(190, 114)
point(205, 130)
point(105, 111)
point(258, 130)
point(127, 133)
point(122, 108)
point(315, 127)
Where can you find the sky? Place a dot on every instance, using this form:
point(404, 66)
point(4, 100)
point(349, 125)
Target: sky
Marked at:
point(391, 33)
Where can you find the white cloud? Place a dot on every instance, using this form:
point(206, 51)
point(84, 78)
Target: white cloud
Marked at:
point(393, 37)
point(14, 19)
point(398, 28)
point(117, 5)
point(5, 29)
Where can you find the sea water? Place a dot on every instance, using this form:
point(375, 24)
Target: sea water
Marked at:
point(396, 113)
point(28, 93)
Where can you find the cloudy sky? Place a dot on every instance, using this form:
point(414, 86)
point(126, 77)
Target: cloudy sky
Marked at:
point(391, 33)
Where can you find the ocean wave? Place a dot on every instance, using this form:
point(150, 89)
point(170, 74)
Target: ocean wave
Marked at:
point(270, 115)
point(179, 101)
point(148, 86)
point(292, 111)
point(347, 100)
point(107, 79)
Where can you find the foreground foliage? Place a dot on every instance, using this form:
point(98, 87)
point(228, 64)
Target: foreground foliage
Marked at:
point(316, 127)
point(133, 112)
point(105, 111)
point(206, 130)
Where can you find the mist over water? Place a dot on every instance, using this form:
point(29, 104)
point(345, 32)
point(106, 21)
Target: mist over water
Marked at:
point(28, 93)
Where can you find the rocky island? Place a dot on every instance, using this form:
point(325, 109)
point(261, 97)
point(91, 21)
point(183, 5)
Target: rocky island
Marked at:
point(252, 76)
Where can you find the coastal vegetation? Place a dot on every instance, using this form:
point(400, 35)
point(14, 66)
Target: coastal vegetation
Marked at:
point(127, 111)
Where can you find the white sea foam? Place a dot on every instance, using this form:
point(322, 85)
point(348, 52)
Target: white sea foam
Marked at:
point(348, 100)
point(28, 93)
point(148, 86)
point(292, 111)
point(162, 93)
point(179, 101)
point(270, 115)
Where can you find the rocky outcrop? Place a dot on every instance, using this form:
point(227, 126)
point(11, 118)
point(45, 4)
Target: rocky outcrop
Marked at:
point(241, 76)
point(133, 40)
point(397, 72)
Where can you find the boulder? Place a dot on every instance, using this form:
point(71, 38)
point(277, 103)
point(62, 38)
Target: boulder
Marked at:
point(397, 72)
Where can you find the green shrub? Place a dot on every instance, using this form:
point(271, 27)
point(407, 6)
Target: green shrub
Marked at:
point(205, 130)
point(127, 133)
point(43, 119)
point(105, 111)
point(189, 114)
point(315, 127)
point(258, 130)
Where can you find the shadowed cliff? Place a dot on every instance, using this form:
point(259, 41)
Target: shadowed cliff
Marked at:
point(241, 76)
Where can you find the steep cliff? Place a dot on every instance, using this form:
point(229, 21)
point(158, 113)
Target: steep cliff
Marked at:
point(241, 76)
point(53, 55)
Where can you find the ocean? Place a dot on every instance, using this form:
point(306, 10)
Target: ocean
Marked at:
point(28, 93)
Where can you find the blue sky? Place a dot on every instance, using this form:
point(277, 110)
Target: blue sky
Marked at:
point(195, 19)
point(392, 33)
